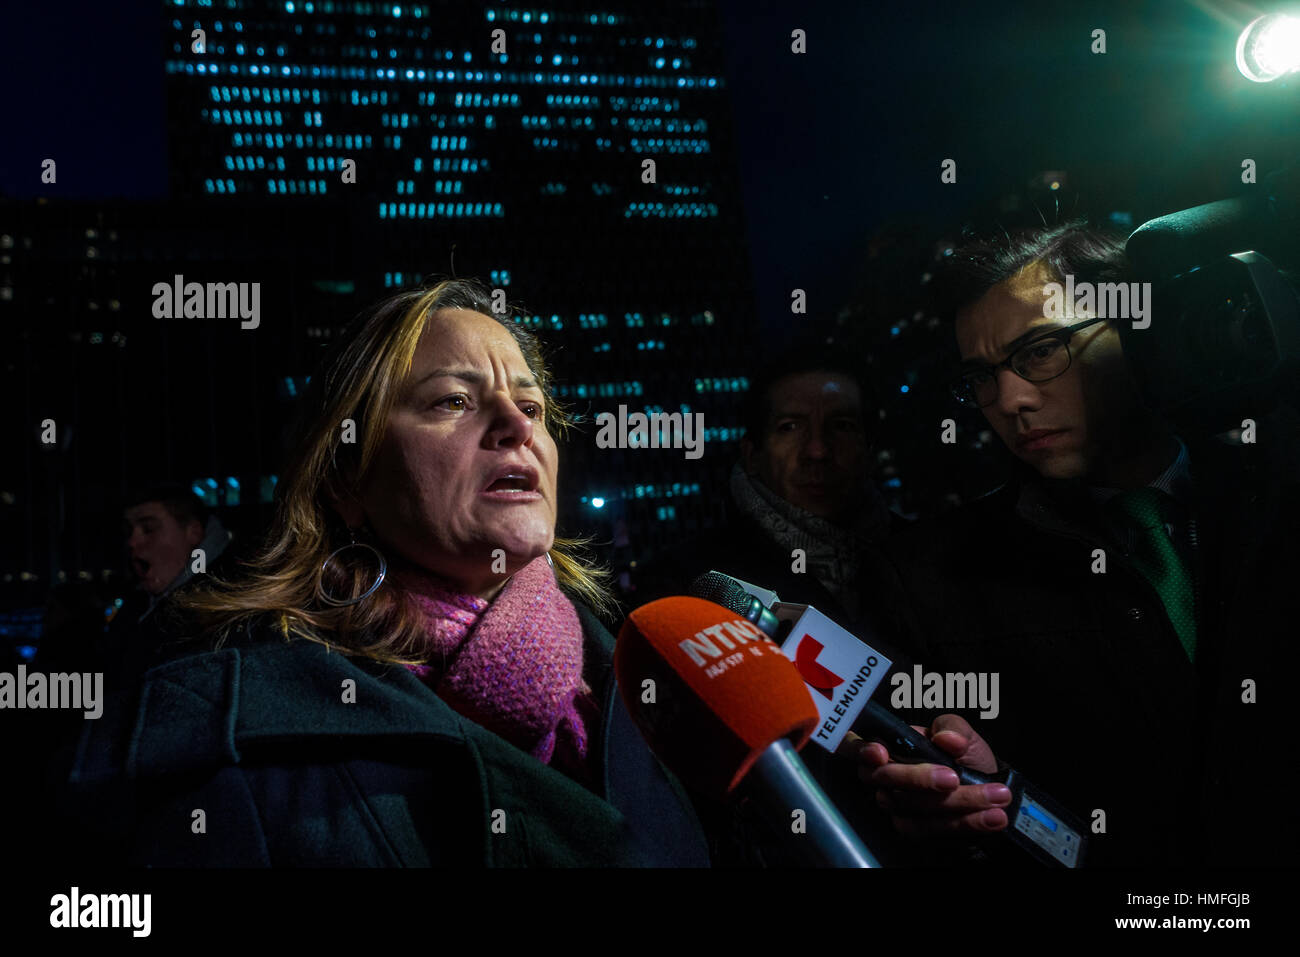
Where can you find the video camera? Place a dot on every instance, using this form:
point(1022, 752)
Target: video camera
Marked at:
point(1224, 343)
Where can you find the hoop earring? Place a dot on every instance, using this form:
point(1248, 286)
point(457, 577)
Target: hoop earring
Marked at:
point(548, 560)
point(353, 543)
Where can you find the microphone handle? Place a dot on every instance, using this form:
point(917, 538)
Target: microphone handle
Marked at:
point(781, 783)
point(909, 746)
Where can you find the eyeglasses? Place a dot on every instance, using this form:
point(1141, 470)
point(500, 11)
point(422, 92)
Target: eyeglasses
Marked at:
point(1038, 360)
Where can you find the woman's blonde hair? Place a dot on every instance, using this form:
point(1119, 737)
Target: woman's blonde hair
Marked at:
point(359, 380)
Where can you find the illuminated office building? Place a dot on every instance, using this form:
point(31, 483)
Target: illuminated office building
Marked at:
point(525, 168)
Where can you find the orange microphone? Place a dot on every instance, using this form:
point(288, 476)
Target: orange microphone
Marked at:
point(725, 710)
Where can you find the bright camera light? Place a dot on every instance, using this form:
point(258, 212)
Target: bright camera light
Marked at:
point(1269, 48)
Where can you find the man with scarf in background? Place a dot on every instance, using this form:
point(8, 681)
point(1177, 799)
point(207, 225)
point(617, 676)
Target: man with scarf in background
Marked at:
point(804, 521)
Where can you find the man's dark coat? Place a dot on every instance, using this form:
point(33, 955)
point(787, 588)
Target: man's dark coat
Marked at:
point(1099, 703)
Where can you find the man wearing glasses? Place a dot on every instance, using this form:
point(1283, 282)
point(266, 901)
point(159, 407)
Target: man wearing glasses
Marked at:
point(1126, 585)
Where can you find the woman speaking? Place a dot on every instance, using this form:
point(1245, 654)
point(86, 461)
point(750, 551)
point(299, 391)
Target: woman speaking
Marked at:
point(408, 674)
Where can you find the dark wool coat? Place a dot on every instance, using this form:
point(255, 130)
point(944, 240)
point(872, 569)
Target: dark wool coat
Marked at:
point(256, 735)
point(1099, 703)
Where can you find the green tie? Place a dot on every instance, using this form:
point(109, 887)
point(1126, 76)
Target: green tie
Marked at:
point(1159, 562)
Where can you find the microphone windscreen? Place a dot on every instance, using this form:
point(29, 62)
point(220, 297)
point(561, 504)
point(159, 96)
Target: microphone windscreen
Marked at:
point(709, 690)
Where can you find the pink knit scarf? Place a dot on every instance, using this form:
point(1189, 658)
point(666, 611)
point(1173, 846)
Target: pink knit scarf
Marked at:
point(513, 665)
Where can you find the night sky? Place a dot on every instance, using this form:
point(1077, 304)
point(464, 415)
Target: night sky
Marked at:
point(835, 145)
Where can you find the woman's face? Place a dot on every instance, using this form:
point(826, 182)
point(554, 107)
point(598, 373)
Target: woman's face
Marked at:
point(466, 466)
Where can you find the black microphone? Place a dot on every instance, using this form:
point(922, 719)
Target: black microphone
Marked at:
point(726, 591)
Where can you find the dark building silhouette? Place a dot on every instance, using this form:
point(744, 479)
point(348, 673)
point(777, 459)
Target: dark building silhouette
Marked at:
point(524, 168)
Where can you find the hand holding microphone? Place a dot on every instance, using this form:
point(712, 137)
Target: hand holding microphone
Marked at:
point(930, 798)
point(944, 780)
